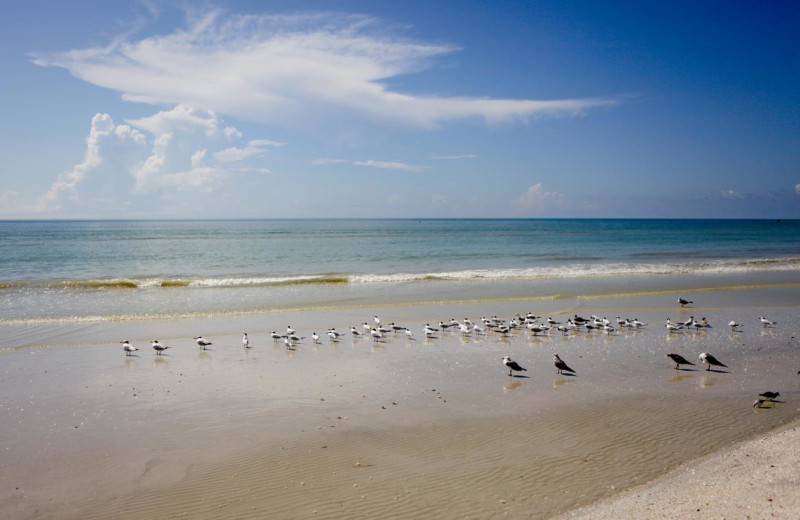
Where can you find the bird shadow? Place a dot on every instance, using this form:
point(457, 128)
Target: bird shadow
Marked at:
point(520, 376)
point(718, 371)
point(686, 370)
point(567, 374)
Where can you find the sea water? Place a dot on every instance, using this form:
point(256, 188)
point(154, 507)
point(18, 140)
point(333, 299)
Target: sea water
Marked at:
point(94, 271)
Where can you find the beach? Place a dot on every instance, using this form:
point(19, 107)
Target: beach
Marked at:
point(421, 427)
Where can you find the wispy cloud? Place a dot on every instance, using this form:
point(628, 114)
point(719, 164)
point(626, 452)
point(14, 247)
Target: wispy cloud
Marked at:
point(255, 148)
point(391, 165)
point(325, 160)
point(454, 157)
point(284, 68)
point(731, 195)
point(797, 189)
point(537, 198)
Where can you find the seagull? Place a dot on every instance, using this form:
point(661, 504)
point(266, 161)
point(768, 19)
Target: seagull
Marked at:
point(397, 328)
point(766, 322)
point(290, 330)
point(684, 302)
point(158, 347)
point(409, 334)
point(355, 332)
point(275, 336)
point(245, 341)
point(315, 337)
point(377, 320)
point(637, 323)
point(513, 366)
point(560, 365)
point(477, 329)
point(127, 347)
point(688, 323)
point(332, 335)
point(711, 360)
point(202, 342)
point(679, 360)
point(770, 396)
point(376, 334)
point(672, 327)
point(733, 325)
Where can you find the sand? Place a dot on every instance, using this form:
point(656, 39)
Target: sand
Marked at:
point(428, 428)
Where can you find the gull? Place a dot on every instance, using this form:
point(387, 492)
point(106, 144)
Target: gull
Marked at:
point(770, 396)
point(203, 342)
point(766, 322)
point(560, 365)
point(733, 325)
point(467, 322)
point(705, 323)
point(679, 360)
point(513, 366)
point(409, 334)
point(711, 360)
point(535, 330)
point(688, 323)
point(464, 329)
point(332, 334)
point(127, 347)
point(551, 321)
point(315, 337)
point(376, 334)
point(384, 330)
point(275, 336)
point(158, 347)
point(355, 332)
point(295, 338)
point(245, 341)
point(672, 327)
point(366, 327)
point(397, 328)
point(377, 320)
point(290, 330)
point(638, 324)
point(684, 302)
point(477, 329)
point(444, 325)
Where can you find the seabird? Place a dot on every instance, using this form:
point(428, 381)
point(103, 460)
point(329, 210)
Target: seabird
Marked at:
point(315, 337)
point(770, 395)
point(679, 360)
point(684, 302)
point(560, 365)
point(711, 360)
point(288, 343)
point(376, 334)
point(477, 329)
point(409, 333)
point(158, 347)
point(202, 342)
point(636, 323)
point(355, 332)
point(127, 347)
point(332, 335)
point(733, 325)
point(290, 330)
point(377, 320)
point(275, 336)
point(759, 403)
point(672, 327)
point(513, 366)
point(688, 323)
point(245, 341)
point(397, 328)
point(766, 322)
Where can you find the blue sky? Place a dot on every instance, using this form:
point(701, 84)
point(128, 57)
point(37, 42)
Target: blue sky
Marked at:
point(302, 109)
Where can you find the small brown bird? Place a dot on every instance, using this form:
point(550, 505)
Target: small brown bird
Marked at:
point(561, 366)
point(679, 360)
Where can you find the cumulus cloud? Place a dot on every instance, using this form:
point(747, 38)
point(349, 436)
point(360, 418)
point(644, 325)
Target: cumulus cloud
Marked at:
point(537, 198)
point(389, 165)
point(283, 68)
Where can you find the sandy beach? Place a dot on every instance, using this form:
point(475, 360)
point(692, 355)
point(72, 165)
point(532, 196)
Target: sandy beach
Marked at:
point(421, 427)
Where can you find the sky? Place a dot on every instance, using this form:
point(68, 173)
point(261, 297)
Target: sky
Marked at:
point(414, 109)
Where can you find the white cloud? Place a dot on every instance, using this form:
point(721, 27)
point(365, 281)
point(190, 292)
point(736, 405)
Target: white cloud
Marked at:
point(454, 157)
point(731, 195)
point(537, 198)
point(255, 148)
point(184, 119)
point(287, 68)
point(391, 165)
point(797, 189)
point(324, 160)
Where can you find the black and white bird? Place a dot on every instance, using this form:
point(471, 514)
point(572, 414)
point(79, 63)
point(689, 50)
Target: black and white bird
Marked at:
point(513, 366)
point(679, 360)
point(770, 396)
point(288, 343)
point(245, 341)
point(290, 330)
point(711, 361)
point(315, 337)
point(158, 347)
point(683, 302)
point(733, 325)
point(128, 348)
point(355, 332)
point(767, 323)
point(332, 335)
point(275, 336)
point(203, 342)
point(376, 334)
point(561, 367)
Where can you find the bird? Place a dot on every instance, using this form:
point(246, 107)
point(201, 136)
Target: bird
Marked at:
point(288, 343)
point(683, 302)
point(513, 366)
point(733, 325)
point(766, 322)
point(158, 347)
point(759, 403)
point(376, 334)
point(203, 342)
point(770, 396)
point(672, 327)
point(377, 320)
point(332, 335)
point(355, 332)
point(275, 336)
point(245, 341)
point(409, 334)
point(127, 347)
point(711, 361)
point(560, 365)
point(679, 360)
point(290, 330)
point(315, 337)
point(688, 323)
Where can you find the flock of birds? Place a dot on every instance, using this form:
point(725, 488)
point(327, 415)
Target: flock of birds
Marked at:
point(377, 331)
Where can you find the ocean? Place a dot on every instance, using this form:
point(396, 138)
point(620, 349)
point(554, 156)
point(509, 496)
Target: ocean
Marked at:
point(95, 271)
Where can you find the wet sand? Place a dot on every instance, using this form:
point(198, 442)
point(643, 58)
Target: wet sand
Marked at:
point(423, 427)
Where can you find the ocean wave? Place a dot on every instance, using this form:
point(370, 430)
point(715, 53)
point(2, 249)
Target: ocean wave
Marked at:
point(548, 272)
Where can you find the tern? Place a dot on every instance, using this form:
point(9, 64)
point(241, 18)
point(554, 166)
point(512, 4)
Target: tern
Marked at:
point(376, 334)
point(733, 325)
point(759, 403)
point(355, 332)
point(683, 302)
point(158, 347)
point(202, 342)
point(711, 360)
point(245, 341)
point(290, 330)
point(766, 322)
point(275, 336)
point(332, 335)
point(128, 348)
point(679, 360)
point(377, 320)
point(513, 366)
point(288, 343)
point(409, 334)
point(561, 366)
point(315, 337)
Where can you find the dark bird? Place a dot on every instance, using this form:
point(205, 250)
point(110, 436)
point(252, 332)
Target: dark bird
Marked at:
point(683, 302)
point(711, 360)
point(561, 366)
point(158, 347)
point(679, 360)
point(770, 395)
point(513, 366)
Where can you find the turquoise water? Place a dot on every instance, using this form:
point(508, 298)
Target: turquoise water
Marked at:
point(98, 270)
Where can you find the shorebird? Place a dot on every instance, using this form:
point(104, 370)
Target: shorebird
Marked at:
point(288, 343)
point(513, 366)
point(733, 325)
point(202, 342)
point(290, 330)
point(355, 332)
point(672, 327)
point(560, 365)
point(711, 360)
point(683, 302)
point(477, 329)
point(409, 334)
point(377, 320)
point(275, 336)
point(636, 323)
point(688, 323)
point(766, 322)
point(332, 335)
point(315, 337)
point(759, 403)
point(376, 334)
point(397, 328)
point(158, 347)
point(770, 396)
point(128, 348)
point(679, 360)
point(245, 341)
